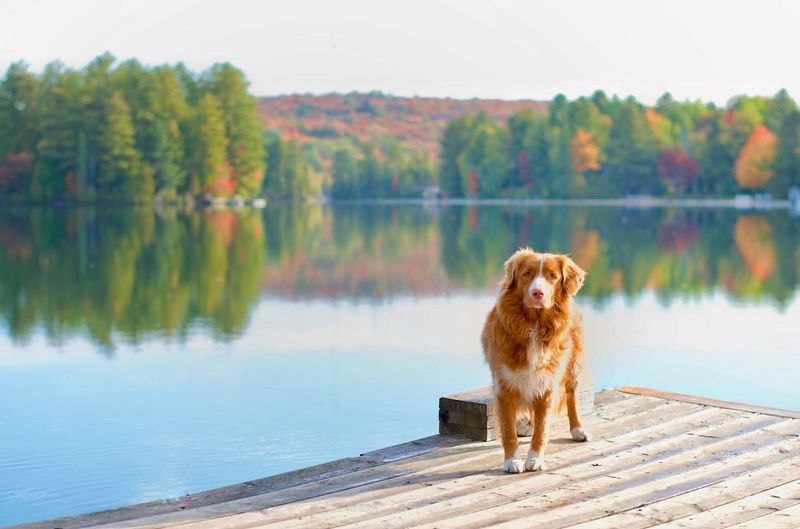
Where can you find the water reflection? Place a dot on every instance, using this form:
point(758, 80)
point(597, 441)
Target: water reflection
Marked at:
point(126, 274)
point(132, 273)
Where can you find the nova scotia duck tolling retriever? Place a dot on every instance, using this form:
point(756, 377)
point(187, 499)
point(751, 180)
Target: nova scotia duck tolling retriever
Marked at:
point(533, 342)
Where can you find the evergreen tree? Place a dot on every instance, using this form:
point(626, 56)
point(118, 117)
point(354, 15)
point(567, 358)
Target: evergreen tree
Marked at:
point(536, 145)
point(98, 90)
point(631, 152)
point(454, 140)
point(778, 109)
point(484, 161)
point(211, 148)
point(787, 161)
point(61, 168)
point(18, 95)
point(243, 127)
point(519, 126)
point(121, 173)
point(288, 173)
point(344, 172)
point(18, 135)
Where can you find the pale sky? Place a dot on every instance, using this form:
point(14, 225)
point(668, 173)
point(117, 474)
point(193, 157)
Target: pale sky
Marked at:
point(707, 49)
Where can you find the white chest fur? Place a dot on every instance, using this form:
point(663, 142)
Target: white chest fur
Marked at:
point(539, 376)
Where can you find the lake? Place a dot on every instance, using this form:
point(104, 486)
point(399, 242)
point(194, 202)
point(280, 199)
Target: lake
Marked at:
point(153, 353)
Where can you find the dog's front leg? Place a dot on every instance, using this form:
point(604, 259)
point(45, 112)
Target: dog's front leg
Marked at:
point(575, 428)
point(507, 418)
point(539, 411)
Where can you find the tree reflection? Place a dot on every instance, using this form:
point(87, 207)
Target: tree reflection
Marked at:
point(126, 275)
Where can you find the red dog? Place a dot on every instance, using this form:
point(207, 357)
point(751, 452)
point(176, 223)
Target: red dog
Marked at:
point(533, 342)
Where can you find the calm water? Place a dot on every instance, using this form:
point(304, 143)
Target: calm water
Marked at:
point(149, 354)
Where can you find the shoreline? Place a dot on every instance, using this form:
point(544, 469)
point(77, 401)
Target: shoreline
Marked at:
point(631, 202)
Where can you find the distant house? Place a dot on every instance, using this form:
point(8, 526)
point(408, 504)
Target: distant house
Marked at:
point(433, 193)
point(794, 200)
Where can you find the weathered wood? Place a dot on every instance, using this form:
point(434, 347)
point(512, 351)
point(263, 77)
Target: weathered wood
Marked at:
point(470, 413)
point(667, 462)
point(518, 506)
point(788, 518)
point(559, 488)
point(706, 401)
point(718, 505)
point(751, 502)
point(471, 480)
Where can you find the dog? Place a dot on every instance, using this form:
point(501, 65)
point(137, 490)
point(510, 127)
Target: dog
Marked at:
point(533, 343)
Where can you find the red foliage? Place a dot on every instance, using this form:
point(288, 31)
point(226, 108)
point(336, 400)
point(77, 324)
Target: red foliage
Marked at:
point(677, 168)
point(727, 119)
point(472, 183)
point(677, 235)
point(416, 122)
point(12, 167)
point(221, 187)
point(70, 183)
point(222, 223)
point(524, 166)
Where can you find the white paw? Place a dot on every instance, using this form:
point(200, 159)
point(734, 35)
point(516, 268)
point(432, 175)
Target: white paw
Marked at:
point(535, 462)
point(514, 465)
point(581, 435)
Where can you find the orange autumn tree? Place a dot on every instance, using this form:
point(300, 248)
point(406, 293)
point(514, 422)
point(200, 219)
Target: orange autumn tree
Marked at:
point(754, 166)
point(585, 153)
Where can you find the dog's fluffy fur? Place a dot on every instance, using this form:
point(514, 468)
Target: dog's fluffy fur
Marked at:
point(533, 342)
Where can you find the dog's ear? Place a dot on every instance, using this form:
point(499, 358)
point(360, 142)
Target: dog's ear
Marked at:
point(572, 275)
point(512, 267)
point(512, 271)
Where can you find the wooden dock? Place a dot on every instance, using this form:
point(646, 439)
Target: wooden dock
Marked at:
point(657, 460)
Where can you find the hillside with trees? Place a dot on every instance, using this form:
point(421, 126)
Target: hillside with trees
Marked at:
point(600, 147)
point(375, 146)
point(134, 133)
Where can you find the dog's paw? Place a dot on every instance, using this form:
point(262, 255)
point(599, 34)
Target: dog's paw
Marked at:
point(535, 462)
point(514, 465)
point(580, 435)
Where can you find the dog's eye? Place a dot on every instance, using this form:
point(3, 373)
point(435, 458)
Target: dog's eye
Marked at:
point(526, 273)
point(553, 275)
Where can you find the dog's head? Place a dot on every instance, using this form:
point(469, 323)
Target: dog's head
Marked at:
point(542, 279)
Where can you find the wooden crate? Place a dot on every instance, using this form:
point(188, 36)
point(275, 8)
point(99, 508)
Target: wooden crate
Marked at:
point(471, 413)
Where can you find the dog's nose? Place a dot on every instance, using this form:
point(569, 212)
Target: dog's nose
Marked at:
point(538, 294)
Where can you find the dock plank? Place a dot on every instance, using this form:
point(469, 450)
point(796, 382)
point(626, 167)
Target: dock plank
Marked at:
point(475, 468)
point(718, 505)
point(550, 491)
point(788, 518)
point(658, 459)
point(475, 481)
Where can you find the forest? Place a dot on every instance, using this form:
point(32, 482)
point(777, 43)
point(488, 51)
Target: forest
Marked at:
point(128, 132)
point(600, 147)
point(132, 133)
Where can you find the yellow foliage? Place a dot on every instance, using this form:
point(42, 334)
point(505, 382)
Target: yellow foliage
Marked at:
point(585, 248)
point(585, 153)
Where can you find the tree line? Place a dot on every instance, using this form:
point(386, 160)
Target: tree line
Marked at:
point(600, 147)
point(135, 133)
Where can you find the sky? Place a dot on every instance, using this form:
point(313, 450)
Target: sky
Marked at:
point(695, 49)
